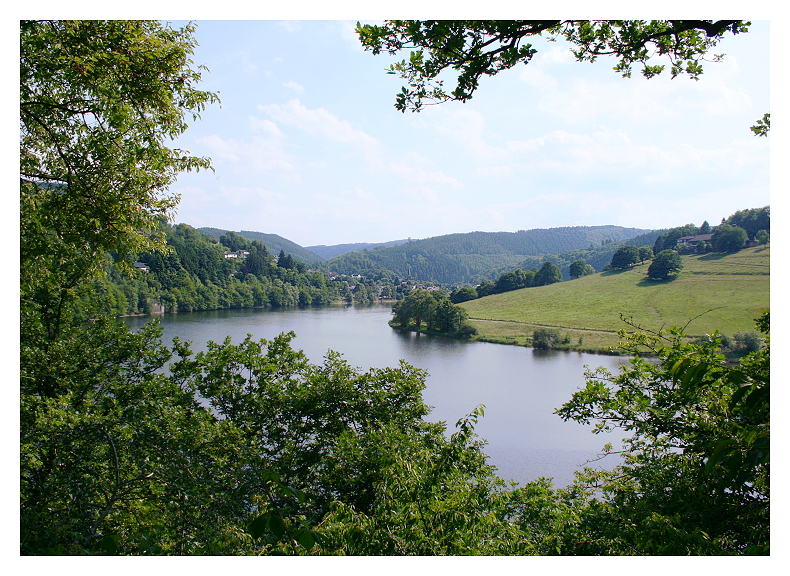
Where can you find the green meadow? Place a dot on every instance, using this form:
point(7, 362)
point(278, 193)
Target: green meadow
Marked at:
point(716, 291)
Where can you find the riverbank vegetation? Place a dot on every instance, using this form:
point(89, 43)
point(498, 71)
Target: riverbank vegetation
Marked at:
point(199, 272)
point(132, 446)
point(433, 309)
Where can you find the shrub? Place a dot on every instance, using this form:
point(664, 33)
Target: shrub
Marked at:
point(545, 338)
point(746, 342)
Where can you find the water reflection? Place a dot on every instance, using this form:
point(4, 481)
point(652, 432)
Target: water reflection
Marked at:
point(520, 387)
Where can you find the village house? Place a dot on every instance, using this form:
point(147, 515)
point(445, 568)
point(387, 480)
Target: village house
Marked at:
point(694, 240)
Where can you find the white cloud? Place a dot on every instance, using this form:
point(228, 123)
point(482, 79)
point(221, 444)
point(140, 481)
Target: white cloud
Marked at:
point(537, 77)
point(557, 54)
point(348, 32)
point(263, 152)
point(495, 171)
point(419, 175)
point(578, 100)
point(294, 86)
point(318, 122)
point(222, 202)
point(266, 127)
point(463, 127)
point(291, 25)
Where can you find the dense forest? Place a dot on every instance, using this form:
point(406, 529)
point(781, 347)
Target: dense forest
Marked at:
point(329, 252)
point(131, 446)
point(273, 242)
point(464, 258)
point(196, 275)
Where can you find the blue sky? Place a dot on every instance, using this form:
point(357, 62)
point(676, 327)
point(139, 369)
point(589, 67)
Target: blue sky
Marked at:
point(307, 143)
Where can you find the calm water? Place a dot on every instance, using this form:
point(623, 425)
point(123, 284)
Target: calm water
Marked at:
point(520, 387)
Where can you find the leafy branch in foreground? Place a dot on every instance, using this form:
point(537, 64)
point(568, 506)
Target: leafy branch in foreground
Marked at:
point(763, 126)
point(476, 48)
point(695, 471)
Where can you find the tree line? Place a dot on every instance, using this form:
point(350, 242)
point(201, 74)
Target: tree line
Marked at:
point(194, 275)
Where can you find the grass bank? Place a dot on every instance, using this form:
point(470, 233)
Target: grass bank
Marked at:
point(724, 292)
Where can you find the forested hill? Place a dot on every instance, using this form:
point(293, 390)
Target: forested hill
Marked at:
point(596, 256)
point(273, 243)
point(457, 258)
point(335, 250)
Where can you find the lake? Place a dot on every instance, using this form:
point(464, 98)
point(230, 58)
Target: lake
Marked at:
point(520, 387)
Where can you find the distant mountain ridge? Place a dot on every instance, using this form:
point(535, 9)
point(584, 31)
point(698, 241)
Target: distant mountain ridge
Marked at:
point(332, 251)
point(464, 257)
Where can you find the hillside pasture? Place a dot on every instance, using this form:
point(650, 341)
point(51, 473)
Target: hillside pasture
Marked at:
point(724, 292)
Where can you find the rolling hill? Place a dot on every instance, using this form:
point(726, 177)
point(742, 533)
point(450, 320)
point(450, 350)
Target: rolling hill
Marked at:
point(273, 243)
point(463, 258)
point(713, 291)
point(335, 250)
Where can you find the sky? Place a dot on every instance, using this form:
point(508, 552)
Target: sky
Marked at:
point(307, 143)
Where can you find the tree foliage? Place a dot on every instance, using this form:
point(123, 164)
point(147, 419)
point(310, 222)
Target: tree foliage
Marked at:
point(545, 338)
point(625, 257)
point(463, 295)
point(666, 264)
point(579, 268)
point(549, 273)
point(763, 125)
point(762, 237)
point(728, 238)
point(99, 103)
point(645, 253)
point(435, 310)
point(752, 220)
point(477, 48)
point(694, 478)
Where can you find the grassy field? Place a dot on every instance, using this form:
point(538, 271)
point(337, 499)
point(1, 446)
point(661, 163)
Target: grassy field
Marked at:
point(713, 291)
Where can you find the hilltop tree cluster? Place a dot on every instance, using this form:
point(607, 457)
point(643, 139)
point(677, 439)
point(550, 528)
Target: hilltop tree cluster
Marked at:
point(732, 234)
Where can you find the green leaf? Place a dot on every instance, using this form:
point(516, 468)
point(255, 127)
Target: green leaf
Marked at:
point(306, 538)
point(259, 526)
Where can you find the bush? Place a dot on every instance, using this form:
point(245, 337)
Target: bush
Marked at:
point(762, 237)
point(747, 342)
point(545, 338)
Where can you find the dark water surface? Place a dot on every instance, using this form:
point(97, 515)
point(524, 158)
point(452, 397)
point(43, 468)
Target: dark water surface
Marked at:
point(520, 387)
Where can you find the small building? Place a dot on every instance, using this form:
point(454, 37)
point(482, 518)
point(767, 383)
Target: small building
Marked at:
point(142, 266)
point(694, 240)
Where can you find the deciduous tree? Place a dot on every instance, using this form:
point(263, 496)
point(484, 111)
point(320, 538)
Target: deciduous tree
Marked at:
point(645, 253)
point(728, 238)
point(625, 257)
point(548, 274)
point(695, 472)
point(667, 263)
point(579, 268)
